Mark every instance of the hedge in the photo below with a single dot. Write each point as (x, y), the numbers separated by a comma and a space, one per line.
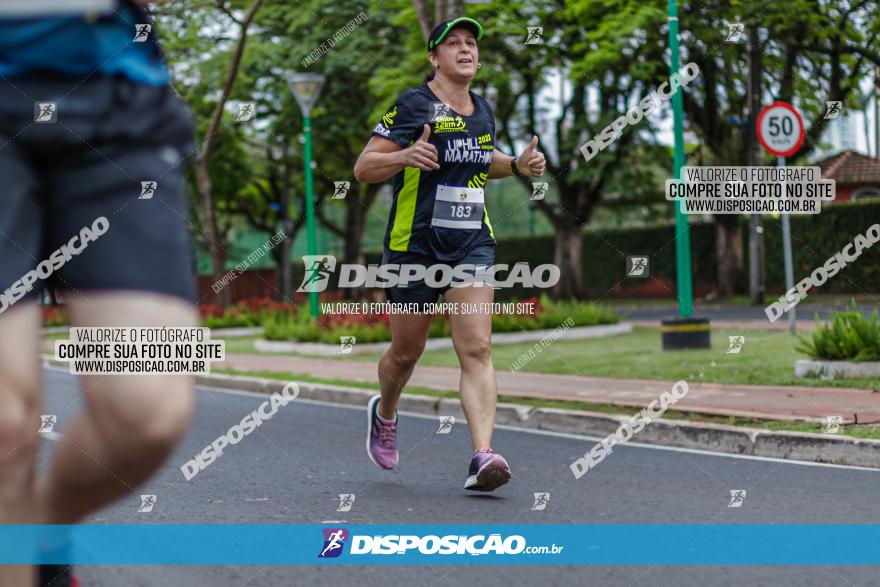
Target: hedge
(814, 239)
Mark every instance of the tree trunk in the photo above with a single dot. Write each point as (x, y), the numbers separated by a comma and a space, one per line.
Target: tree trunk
(729, 252)
(286, 271)
(356, 218)
(424, 14)
(212, 232)
(568, 247)
(455, 9)
(203, 180)
(440, 7)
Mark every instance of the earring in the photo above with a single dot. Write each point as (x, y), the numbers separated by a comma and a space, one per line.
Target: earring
(479, 65)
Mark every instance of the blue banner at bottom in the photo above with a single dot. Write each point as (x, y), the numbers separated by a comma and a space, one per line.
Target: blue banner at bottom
(606, 544)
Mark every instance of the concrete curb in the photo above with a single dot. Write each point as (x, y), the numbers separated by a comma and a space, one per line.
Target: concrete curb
(836, 369)
(329, 350)
(796, 446)
(234, 332)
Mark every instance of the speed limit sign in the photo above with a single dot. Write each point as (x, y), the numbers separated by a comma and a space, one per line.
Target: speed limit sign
(780, 129)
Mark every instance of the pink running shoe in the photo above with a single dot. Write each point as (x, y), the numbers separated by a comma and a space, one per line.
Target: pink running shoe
(488, 471)
(381, 437)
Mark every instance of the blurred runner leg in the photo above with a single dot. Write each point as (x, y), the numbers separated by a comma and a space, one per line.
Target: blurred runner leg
(131, 422)
(19, 423)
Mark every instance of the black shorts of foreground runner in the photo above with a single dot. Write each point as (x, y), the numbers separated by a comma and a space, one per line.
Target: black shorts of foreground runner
(96, 200)
(686, 333)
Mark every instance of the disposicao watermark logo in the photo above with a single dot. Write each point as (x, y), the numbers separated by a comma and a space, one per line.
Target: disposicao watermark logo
(446, 423)
(628, 429)
(736, 344)
(346, 501)
(473, 545)
(736, 33)
(431, 544)
(246, 111)
(265, 411)
(148, 190)
(737, 497)
(63, 254)
(148, 502)
(334, 541)
(534, 35)
(832, 109)
(45, 112)
(47, 422)
(832, 424)
(142, 32)
(634, 115)
(319, 268)
(637, 266)
(832, 266)
(541, 501)
(340, 190)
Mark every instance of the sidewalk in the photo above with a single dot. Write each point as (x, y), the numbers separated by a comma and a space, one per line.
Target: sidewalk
(764, 402)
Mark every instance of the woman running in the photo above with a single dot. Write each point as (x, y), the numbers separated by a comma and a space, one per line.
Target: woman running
(437, 141)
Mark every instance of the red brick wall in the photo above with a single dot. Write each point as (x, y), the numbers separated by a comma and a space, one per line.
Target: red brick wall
(250, 284)
(254, 284)
(656, 287)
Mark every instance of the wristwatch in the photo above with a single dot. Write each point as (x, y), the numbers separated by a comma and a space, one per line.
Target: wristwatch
(516, 170)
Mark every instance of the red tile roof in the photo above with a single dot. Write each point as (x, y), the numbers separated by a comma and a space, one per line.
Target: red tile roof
(849, 167)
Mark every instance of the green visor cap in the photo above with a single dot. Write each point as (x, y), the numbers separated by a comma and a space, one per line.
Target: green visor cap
(443, 29)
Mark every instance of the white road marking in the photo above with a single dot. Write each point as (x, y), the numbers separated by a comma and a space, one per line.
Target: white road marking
(575, 436)
(542, 432)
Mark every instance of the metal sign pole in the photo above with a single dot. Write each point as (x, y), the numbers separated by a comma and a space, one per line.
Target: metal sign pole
(786, 248)
(684, 280)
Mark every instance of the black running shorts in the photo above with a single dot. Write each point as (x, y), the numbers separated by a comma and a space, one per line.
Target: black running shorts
(93, 194)
(422, 294)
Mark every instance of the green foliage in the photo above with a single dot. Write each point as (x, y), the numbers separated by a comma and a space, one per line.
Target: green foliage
(287, 326)
(816, 238)
(299, 326)
(231, 319)
(848, 337)
(604, 255)
(553, 313)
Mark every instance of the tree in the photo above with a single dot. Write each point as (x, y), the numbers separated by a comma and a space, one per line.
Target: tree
(807, 51)
(195, 24)
(517, 75)
(346, 110)
(203, 178)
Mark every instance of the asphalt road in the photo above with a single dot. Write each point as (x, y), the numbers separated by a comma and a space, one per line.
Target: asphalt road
(293, 467)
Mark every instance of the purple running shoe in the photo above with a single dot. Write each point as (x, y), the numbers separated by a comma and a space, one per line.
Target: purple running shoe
(381, 437)
(488, 471)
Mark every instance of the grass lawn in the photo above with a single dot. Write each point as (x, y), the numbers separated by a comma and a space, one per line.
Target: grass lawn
(766, 358)
(739, 301)
(854, 430)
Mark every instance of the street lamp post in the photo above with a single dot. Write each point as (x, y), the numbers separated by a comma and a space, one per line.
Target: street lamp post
(305, 88)
(682, 230)
(683, 331)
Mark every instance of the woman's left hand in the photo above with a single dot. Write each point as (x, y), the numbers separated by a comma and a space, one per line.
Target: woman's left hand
(531, 163)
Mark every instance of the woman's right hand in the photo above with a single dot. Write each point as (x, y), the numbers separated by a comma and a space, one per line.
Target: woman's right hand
(422, 155)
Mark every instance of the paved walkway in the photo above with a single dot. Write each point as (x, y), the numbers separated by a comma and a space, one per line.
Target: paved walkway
(780, 403)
